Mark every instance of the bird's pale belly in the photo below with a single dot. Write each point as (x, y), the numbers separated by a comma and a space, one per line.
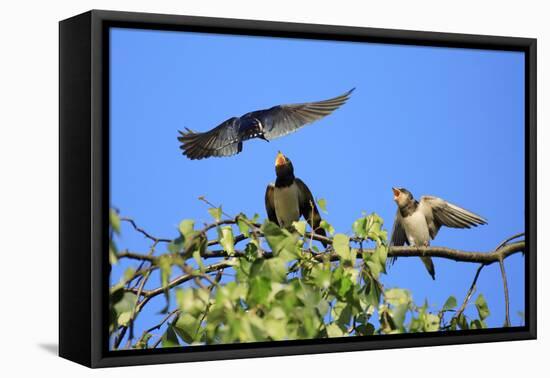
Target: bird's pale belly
(416, 229)
(287, 207)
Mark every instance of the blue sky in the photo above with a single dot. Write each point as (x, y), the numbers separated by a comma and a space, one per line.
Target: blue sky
(441, 121)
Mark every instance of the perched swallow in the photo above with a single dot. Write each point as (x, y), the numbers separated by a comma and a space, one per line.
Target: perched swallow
(268, 124)
(289, 198)
(418, 222)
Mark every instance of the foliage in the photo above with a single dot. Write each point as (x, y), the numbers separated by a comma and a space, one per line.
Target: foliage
(268, 283)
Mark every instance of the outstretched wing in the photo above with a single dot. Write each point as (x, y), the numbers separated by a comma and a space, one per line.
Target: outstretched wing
(439, 213)
(398, 236)
(270, 204)
(222, 140)
(308, 209)
(281, 120)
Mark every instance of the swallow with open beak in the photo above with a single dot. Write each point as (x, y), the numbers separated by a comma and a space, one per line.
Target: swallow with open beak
(290, 198)
(418, 222)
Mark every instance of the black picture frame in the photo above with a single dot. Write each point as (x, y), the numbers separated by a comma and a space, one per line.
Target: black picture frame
(84, 186)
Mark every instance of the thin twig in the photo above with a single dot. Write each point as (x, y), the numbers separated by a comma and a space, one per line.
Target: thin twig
(158, 325)
(506, 298)
(119, 337)
(134, 312)
(470, 293)
(143, 232)
(513, 237)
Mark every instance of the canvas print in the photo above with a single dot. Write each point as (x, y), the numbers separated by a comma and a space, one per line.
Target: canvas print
(268, 189)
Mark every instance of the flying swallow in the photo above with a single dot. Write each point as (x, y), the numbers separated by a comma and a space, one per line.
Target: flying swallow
(227, 138)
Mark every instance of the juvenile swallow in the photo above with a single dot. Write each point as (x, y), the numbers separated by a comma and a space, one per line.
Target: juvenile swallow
(227, 138)
(418, 222)
(289, 198)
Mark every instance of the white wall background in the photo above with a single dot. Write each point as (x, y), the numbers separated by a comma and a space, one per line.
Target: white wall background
(29, 184)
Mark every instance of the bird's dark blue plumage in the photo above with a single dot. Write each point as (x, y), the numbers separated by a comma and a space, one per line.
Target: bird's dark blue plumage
(227, 138)
(250, 127)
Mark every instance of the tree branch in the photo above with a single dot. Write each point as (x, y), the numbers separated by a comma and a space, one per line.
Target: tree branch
(406, 251)
(441, 252)
(149, 294)
(458, 255)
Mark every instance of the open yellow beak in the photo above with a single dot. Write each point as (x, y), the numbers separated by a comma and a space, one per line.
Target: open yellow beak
(280, 159)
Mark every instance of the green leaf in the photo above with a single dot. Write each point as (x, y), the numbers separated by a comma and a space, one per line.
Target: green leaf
(482, 308)
(340, 244)
(397, 296)
(373, 228)
(195, 243)
(259, 290)
(322, 204)
(165, 265)
(327, 227)
(450, 304)
(274, 269)
(282, 242)
(431, 323)
(114, 220)
(476, 324)
(187, 327)
(257, 327)
(334, 330)
(415, 325)
(462, 322)
(170, 339)
(176, 245)
(379, 257)
(321, 276)
(192, 300)
(227, 240)
(398, 313)
(358, 227)
(113, 253)
(122, 304)
(198, 258)
(387, 324)
(300, 227)
(124, 318)
(186, 227)
(375, 268)
(345, 285)
(216, 213)
(342, 312)
(243, 225)
(373, 293)
(251, 251)
(275, 324)
(142, 344)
